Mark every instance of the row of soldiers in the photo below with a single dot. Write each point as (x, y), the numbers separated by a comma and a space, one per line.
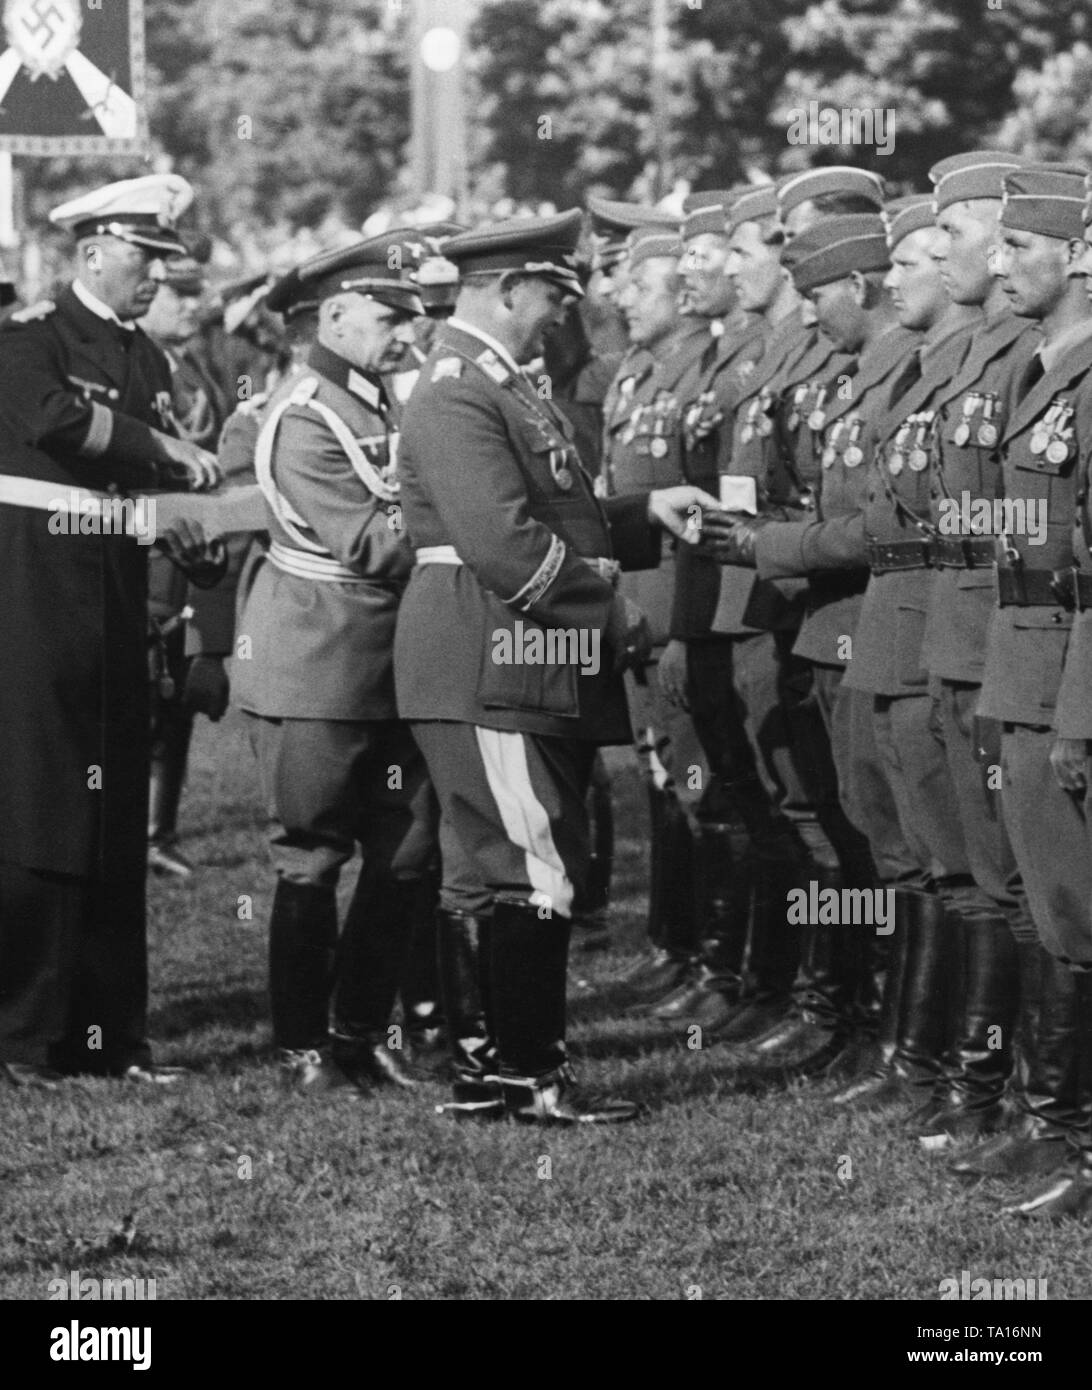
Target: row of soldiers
(880, 680)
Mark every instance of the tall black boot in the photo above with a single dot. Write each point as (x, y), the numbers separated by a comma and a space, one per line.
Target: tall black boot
(912, 1067)
(463, 956)
(724, 889)
(1069, 1192)
(1046, 1085)
(971, 1101)
(528, 965)
(775, 946)
(419, 987)
(672, 902)
(371, 958)
(170, 755)
(302, 940)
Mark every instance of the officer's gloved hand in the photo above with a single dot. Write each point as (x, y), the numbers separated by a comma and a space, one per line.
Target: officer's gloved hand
(673, 674)
(207, 687)
(627, 634)
(203, 562)
(186, 465)
(738, 546)
(1069, 760)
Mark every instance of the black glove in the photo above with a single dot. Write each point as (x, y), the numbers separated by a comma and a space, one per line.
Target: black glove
(738, 547)
(207, 687)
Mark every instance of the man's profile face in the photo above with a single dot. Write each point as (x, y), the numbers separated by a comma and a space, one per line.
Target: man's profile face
(1032, 271)
(125, 277)
(650, 301)
(965, 234)
(373, 337)
(755, 267)
(838, 314)
(701, 267)
(538, 306)
(173, 316)
(917, 290)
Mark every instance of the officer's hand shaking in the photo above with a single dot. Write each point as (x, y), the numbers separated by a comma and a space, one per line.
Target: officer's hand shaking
(628, 634)
(687, 512)
(188, 464)
(1069, 760)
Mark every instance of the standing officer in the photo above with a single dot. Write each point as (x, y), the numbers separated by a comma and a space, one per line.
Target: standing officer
(511, 636)
(641, 451)
(1048, 426)
(314, 672)
(84, 413)
(188, 673)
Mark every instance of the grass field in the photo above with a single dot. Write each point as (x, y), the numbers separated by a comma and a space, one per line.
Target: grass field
(771, 1197)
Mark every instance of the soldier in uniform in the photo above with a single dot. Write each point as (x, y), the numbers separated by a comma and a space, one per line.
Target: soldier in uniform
(509, 645)
(187, 657)
(84, 414)
(839, 265)
(1048, 423)
(314, 673)
(641, 450)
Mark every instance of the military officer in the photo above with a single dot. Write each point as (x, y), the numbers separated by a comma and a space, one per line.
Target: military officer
(1047, 429)
(511, 636)
(642, 450)
(188, 673)
(834, 190)
(313, 672)
(838, 264)
(84, 414)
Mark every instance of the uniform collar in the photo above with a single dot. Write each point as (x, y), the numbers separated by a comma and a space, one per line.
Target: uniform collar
(487, 338)
(364, 385)
(98, 308)
(1070, 338)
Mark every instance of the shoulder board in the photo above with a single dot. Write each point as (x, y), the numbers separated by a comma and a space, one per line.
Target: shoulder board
(33, 312)
(447, 367)
(304, 390)
(492, 366)
(254, 403)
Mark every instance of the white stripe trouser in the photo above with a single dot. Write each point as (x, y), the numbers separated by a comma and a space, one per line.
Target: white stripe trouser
(515, 804)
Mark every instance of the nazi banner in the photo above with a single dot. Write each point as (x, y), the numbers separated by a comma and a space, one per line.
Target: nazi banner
(72, 77)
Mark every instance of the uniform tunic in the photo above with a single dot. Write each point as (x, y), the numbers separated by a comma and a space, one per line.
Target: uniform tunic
(81, 401)
(488, 661)
(1028, 643)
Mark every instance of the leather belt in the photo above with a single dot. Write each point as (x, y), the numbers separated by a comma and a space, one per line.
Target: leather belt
(884, 556)
(447, 555)
(964, 552)
(304, 565)
(1018, 587)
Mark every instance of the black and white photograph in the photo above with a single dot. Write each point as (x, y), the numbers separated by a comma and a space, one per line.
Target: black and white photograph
(545, 685)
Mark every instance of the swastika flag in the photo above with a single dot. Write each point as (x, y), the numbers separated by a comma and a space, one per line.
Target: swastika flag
(72, 77)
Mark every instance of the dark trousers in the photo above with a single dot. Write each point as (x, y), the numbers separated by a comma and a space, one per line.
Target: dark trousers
(73, 971)
(516, 807)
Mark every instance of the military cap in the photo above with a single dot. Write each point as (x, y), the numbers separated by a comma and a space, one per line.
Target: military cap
(650, 242)
(976, 174)
(436, 278)
(615, 220)
(141, 211)
(902, 216)
(754, 204)
(543, 246)
(184, 274)
(373, 268)
(809, 184)
(835, 248)
(1045, 198)
(705, 212)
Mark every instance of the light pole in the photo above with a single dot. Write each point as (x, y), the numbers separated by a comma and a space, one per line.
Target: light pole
(438, 63)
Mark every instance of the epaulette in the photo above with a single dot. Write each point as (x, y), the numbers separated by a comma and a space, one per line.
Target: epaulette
(253, 403)
(447, 367)
(33, 312)
(492, 366)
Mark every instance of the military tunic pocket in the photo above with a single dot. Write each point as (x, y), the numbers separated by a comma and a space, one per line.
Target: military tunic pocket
(528, 667)
(1043, 668)
(909, 636)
